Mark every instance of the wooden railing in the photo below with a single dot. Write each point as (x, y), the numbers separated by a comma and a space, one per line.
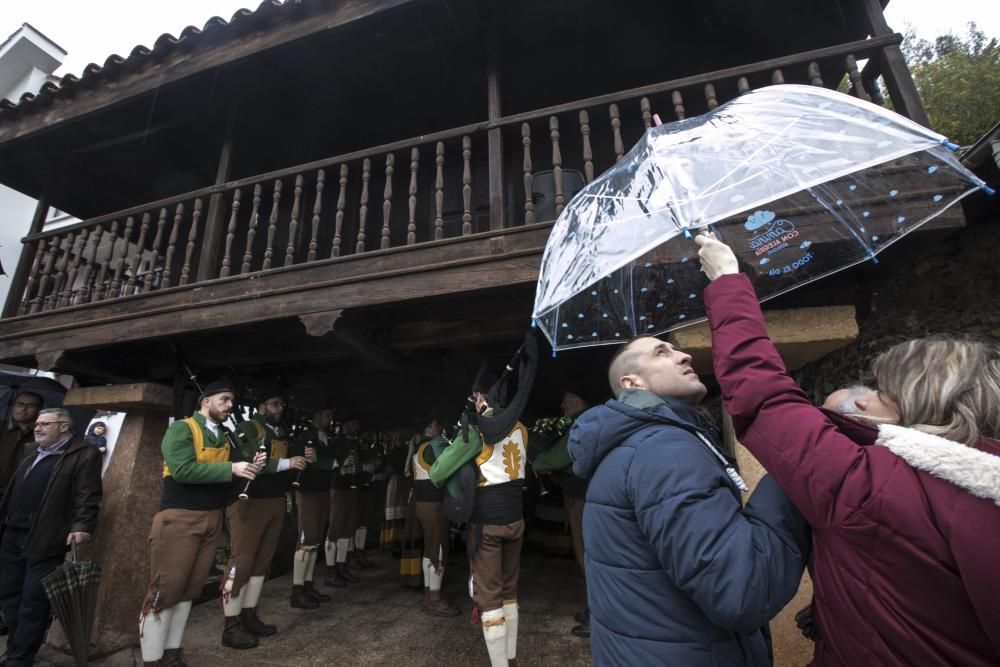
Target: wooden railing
(413, 191)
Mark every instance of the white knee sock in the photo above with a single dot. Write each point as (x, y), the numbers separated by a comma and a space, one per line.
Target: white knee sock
(343, 546)
(234, 605)
(311, 564)
(510, 615)
(434, 577)
(175, 635)
(300, 563)
(495, 634)
(153, 634)
(254, 587)
(426, 565)
(331, 552)
(361, 538)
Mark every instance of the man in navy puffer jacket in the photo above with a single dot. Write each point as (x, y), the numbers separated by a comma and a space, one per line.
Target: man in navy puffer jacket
(678, 572)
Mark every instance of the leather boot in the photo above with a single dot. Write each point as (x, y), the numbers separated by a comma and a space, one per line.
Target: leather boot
(583, 616)
(346, 573)
(252, 623)
(173, 657)
(302, 600)
(363, 559)
(334, 579)
(235, 636)
(435, 605)
(314, 593)
(582, 630)
(155, 663)
(512, 662)
(358, 560)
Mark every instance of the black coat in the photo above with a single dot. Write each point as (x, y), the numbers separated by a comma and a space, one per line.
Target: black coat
(70, 504)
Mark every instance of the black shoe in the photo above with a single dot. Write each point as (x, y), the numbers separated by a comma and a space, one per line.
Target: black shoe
(334, 579)
(583, 616)
(581, 631)
(315, 594)
(346, 573)
(251, 623)
(364, 560)
(235, 636)
(302, 600)
(173, 657)
(358, 560)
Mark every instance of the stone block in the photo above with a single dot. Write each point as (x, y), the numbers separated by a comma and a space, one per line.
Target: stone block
(122, 397)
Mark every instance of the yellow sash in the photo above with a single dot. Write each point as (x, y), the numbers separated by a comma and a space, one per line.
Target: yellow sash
(201, 454)
(279, 448)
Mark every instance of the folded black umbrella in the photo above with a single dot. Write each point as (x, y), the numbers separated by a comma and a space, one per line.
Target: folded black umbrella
(72, 590)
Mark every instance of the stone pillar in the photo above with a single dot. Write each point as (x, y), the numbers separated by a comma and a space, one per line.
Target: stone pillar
(133, 484)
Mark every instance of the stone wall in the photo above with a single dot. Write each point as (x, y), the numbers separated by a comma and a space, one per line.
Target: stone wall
(944, 286)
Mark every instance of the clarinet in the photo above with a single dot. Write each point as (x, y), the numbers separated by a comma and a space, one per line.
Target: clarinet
(263, 449)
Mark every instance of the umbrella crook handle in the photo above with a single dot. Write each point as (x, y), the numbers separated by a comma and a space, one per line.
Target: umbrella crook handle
(72, 547)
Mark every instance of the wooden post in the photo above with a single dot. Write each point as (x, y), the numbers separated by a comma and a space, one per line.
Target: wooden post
(29, 253)
(902, 90)
(212, 239)
(494, 136)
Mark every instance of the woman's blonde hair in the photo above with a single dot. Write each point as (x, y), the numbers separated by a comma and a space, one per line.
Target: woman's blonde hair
(944, 385)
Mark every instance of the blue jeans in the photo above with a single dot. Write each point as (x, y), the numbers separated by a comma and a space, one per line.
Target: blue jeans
(23, 600)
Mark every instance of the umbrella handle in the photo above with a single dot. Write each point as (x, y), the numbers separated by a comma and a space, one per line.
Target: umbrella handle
(72, 547)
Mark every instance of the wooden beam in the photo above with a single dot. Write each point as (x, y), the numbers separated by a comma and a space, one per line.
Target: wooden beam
(801, 335)
(902, 90)
(182, 63)
(494, 136)
(208, 259)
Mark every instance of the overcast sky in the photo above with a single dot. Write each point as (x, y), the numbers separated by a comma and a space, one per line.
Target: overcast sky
(91, 30)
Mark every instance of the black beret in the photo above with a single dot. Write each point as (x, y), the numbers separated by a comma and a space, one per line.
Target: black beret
(219, 386)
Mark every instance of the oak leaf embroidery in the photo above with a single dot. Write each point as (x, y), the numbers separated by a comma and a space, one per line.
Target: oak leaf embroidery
(511, 459)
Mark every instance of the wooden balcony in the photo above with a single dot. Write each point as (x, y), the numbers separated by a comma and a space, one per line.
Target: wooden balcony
(452, 212)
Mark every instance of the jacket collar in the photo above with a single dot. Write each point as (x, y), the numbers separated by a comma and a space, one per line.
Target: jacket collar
(672, 409)
(969, 468)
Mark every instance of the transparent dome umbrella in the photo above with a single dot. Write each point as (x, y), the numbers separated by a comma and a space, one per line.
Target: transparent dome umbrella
(800, 181)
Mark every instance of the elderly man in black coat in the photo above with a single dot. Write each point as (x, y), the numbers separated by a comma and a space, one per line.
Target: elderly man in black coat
(51, 502)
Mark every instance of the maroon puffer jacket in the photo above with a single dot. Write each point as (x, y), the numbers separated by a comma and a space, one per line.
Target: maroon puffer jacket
(906, 526)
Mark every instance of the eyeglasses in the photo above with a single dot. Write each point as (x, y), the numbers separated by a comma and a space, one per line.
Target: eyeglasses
(275, 404)
(21, 404)
(45, 424)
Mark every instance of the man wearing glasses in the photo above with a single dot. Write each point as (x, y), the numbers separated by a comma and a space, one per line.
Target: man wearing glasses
(51, 502)
(17, 434)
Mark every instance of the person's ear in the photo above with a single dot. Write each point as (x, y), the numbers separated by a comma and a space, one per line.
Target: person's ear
(630, 382)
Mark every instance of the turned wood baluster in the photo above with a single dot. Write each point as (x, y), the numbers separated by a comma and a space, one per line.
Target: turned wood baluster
(272, 225)
(710, 98)
(154, 257)
(230, 234)
(59, 284)
(560, 199)
(338, 227)
(647, 112)
(411, 228)
(390, 168)
(66, 295)
(588, 154)
(317, 213)
(439, 192)
(43, 283)
(815, 76)
(293, 223)
(857, 88)
(258, 191)
(119, 259)
(678, 101)
(168, 259)
(777, 77)
(529, 196)
(467, 185)
(192, 239)
(102, 282)
(140, 246)
(36, 267)
(366, 176)
(742, 85)
(90, 286)
(616, 131)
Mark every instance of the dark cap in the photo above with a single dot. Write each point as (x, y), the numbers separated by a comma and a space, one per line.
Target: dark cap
(219, 386)
(266, 392)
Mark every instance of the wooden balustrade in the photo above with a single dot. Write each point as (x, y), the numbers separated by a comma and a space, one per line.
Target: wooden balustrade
(136, 251)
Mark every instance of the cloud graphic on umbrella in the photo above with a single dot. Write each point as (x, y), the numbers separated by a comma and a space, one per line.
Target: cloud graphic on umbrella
(758, 219)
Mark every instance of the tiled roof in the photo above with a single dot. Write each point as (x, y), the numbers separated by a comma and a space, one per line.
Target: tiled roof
(215, 30)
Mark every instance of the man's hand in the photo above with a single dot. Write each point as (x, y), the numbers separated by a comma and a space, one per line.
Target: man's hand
(310, 455)
(245, 470)
(297, 463)
(260, 460)
(77, 538)
(717, 259)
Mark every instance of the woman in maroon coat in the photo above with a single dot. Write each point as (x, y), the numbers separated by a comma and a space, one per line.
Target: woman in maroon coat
(906, 518)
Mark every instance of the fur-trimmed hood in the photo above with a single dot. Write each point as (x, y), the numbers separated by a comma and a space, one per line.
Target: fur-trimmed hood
(972, 469)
